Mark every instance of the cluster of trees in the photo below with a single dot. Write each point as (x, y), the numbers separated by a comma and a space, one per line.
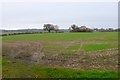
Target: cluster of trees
(75, 28)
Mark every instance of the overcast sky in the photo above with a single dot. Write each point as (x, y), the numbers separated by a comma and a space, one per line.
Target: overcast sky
(28, 15)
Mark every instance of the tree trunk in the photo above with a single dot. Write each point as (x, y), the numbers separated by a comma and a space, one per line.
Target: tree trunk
(49, 31)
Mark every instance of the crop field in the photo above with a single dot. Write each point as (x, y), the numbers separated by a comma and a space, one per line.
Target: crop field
(60, 55)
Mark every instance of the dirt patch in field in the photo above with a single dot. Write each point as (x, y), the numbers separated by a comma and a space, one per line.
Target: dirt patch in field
(101, 60)
(26, 51)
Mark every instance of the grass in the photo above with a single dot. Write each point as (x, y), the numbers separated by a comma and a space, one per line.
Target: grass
(56, 43)
(63, 41)
(104, 36)
(95, 47)
(21, 70)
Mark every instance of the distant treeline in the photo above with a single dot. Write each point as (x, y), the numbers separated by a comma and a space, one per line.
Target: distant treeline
(25, 31)
(106, 30)
(47, 28)
(75, 28)
(17, 33)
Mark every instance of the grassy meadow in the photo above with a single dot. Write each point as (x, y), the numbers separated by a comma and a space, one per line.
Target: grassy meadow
(66, 55)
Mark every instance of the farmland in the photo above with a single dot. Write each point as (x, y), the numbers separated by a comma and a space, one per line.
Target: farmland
(63, 55)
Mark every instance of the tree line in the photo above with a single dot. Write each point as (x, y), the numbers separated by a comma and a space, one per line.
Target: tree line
(75, 28)
(47, 28)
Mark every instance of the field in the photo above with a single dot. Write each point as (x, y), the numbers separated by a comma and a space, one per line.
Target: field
(60, 55)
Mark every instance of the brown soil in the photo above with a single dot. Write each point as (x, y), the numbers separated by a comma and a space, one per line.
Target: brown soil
(26, 51)
(107, 60)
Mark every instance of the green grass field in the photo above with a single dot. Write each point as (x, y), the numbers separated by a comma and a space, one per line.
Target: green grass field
(93, 45)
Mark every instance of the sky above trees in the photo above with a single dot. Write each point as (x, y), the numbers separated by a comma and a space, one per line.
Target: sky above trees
(28, 15)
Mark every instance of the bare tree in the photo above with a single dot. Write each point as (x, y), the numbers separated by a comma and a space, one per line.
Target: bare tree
(49, 27)
(74, 28)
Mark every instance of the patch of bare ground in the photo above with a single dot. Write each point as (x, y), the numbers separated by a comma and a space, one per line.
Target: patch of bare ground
(26, 51)
(100, 60)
